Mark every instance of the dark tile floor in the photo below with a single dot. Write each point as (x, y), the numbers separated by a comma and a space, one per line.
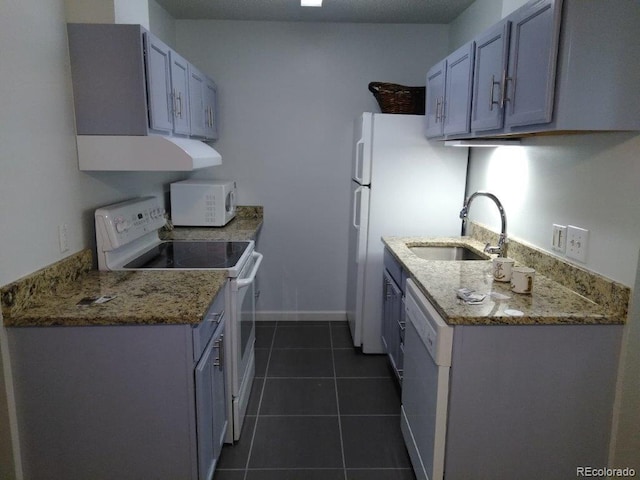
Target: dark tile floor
(319, 410)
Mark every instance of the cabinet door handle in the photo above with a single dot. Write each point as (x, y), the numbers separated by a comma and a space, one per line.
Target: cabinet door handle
(438, 100)
(216, 317)
(219, 345)
(221, 351)
(174, 102)
(493, 102)
(505, 87)
(180, 103)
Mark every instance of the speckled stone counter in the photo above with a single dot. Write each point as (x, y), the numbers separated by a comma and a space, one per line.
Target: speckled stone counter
(50, 296)
(245, 226)
(550, 303)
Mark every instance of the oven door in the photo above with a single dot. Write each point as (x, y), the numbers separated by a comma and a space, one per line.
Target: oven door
(244, 333)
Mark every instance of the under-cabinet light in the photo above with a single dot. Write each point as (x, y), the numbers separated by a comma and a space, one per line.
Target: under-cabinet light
(489, 142)
(310, 3)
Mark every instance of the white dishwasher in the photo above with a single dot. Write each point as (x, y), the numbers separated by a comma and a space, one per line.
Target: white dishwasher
(425, 386)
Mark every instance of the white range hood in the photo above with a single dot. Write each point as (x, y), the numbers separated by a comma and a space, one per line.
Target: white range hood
(144, 153)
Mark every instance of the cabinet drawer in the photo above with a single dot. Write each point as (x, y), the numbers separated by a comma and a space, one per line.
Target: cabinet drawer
(203, 332)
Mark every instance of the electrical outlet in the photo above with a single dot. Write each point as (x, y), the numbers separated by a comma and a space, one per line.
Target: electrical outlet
(577, 243)
(559, 238)
(63, 237)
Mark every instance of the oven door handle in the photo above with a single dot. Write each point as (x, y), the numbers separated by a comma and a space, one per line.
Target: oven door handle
(245, 282)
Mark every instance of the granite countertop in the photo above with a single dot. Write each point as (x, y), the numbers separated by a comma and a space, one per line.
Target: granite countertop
(245, 226)
(49, 296)
(141, 297)
(551, 303)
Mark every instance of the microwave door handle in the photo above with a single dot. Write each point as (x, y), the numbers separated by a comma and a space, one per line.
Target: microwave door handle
(245, 282)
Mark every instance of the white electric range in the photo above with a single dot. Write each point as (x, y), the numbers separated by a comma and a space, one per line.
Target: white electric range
(127, 238)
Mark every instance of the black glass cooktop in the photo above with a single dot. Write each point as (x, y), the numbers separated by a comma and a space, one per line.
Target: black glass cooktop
(190, 255)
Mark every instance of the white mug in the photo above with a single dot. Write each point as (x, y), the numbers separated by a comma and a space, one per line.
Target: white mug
(502, 268)
(522, 279)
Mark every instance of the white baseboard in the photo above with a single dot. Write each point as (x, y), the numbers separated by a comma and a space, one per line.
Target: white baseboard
(301, 316)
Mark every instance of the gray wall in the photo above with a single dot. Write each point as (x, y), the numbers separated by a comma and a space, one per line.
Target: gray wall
(289, 93)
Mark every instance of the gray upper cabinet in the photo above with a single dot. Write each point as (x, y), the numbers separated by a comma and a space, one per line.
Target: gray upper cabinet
(552, 66)
(434, 99)
(489, 74)
(128, 82)
(110, 79)
(515, 69)
(448, 98)
(530, 82)
(196, 101)
(458, 83)
(180, 94)
(211, 109)
(158, 65)
(202, 105)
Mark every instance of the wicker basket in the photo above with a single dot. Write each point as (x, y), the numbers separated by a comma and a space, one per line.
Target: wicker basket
(394, 98)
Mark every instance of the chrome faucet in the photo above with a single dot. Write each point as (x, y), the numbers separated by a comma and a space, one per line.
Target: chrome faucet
(502, 240)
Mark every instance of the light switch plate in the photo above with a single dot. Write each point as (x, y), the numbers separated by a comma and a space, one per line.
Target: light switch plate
(559, 238)
(577, 243)
(63, 237)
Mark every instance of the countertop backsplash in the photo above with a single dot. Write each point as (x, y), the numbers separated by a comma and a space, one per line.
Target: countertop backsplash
(610, 294)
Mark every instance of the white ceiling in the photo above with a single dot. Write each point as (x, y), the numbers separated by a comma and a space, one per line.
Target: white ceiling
(357, 11)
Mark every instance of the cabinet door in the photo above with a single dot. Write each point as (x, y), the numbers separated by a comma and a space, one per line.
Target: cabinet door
(488, 78)
(210, 405)
(457, 103)
(180, 93)
(435, 99)
(532, 64)
(211, 109)
(386, 312)
(391, 333)
(158, 84)
(219, 395)
(197, 107)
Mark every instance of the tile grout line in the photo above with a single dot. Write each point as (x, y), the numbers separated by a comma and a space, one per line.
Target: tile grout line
(264, 384)
(335, 384)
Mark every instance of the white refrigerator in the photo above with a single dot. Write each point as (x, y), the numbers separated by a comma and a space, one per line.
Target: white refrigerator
(401, 185)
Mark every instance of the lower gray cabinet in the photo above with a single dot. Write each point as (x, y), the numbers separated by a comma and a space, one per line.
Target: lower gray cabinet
(530, 401)
(125, 402)
(393, 316)
(210, 404)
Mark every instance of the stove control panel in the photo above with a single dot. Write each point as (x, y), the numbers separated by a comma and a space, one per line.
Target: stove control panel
(125, 222)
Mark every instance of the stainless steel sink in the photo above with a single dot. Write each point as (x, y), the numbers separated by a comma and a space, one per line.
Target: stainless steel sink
(446, 253)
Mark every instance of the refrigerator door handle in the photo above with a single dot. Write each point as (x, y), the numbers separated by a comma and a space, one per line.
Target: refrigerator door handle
(357, 174)
(356, 192)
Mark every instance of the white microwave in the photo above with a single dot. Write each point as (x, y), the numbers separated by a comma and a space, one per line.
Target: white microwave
(203, 203)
